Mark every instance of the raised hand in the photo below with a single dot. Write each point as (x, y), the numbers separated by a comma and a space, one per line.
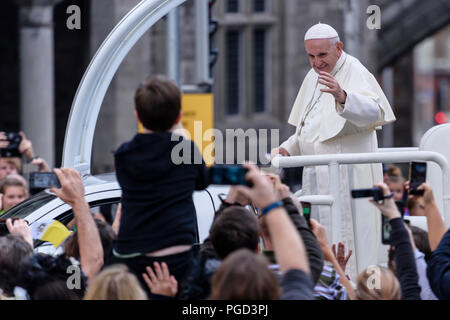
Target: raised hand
(278, 151)
(333, 87)
(161, 282)
(25, 146)
(340, 254)
(72, 189)
(387, 207)
(20, 227)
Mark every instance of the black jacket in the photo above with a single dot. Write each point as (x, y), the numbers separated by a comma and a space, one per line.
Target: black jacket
(313, 250)
(157, 206)
(405, 260)
(438, 269)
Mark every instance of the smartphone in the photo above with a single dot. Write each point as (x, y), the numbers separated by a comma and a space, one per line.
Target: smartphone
(229, 175)
(386, 230)
(44, 180)
(307, 212)
(417, 176)
(375, 193)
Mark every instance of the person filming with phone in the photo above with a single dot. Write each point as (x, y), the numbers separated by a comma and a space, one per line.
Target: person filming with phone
(14, 147)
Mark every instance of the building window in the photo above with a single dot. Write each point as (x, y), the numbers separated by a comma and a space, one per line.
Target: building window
(259, 5)
(259, 70)
(232, 71)
(232, 6)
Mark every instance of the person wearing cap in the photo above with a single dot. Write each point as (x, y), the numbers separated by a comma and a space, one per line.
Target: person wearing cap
(338, 109)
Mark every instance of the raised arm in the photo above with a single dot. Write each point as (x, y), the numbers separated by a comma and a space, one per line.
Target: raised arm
(404, 254)
(435, 223)
(360, 110)
(438, 270)
(292, 206)
(289, 249)
(72, 192)
(329, 256)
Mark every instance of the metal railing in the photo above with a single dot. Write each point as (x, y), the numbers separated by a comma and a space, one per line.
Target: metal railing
(333, 161)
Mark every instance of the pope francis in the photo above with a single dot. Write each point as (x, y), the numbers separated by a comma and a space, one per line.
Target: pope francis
(338, 109)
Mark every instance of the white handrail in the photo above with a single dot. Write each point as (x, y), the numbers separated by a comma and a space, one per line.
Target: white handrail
(397, 149)
(92, 89)
(359, 158)
(391, 156)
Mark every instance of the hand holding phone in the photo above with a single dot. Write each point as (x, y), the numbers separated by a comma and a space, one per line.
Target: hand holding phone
(4, 227)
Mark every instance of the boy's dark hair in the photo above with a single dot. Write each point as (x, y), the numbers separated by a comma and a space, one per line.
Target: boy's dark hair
(420, 237)
(158, 103)
(244, 275)
(234, 229)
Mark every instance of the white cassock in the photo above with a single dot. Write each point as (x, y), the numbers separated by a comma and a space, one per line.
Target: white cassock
(324, 126)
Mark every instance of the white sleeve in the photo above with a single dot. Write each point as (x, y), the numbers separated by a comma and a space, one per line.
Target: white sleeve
(291, 145)
(360, 110)
(426, 293)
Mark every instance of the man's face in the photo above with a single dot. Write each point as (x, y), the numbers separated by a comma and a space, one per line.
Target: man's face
(323, 54)
(6, 168)
(13, 195)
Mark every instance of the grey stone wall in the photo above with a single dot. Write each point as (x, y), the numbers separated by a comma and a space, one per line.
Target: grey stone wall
(116, 123)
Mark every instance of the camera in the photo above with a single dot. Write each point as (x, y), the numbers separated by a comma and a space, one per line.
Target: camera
(12, 150)
(375, 193)
(228, 175)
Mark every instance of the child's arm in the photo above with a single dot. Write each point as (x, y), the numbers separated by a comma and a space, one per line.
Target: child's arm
(202, 181)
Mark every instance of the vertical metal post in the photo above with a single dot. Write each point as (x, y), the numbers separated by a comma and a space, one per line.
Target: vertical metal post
(388, 88)
(352, 29)
(202, 42)
(173, 45)
(336, 207)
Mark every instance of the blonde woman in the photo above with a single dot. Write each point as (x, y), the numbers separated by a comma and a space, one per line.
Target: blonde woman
(115, 283)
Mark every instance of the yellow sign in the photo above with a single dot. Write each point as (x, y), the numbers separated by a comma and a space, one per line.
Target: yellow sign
(198, 119)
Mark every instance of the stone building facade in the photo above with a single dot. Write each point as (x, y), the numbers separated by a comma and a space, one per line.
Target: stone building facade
(260, 66)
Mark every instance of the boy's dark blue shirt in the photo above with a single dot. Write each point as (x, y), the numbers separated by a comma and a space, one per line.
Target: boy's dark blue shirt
(157, 207)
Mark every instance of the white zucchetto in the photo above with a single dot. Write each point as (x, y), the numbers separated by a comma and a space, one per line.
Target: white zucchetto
(321, 31)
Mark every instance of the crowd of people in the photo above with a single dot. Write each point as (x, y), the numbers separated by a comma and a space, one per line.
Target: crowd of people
(150, 249)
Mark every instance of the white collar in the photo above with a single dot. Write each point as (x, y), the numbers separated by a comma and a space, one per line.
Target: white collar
(339, 64)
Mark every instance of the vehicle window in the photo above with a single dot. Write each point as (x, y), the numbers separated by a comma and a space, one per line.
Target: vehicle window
(97, 207)
(103, 210)
(23, 209)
